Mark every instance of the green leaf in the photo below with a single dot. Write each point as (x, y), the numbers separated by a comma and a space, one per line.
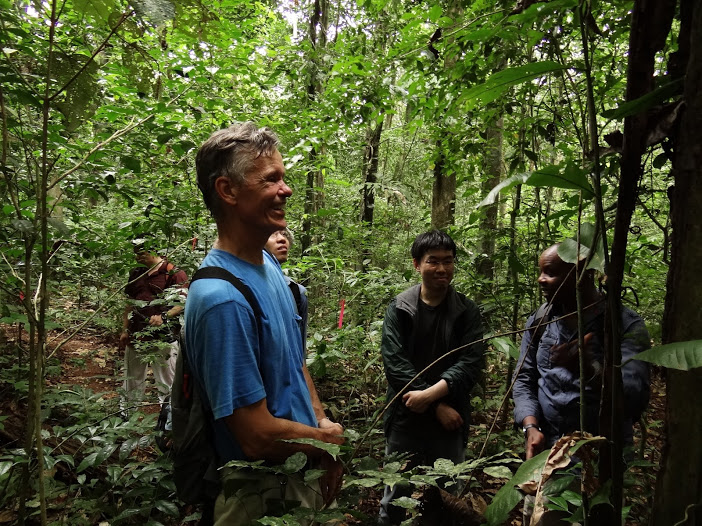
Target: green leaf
(332, 449)
(499, 472)
(5, 467)
(507, 346)
(554, 176)
(407, 503)
(569, 251)
(313, 474)
(504, 185)
(677, 355)
(163, 138)
(88, 462)
(435, 12)
(508, 497)
(501, 81)
(646, 102)
(295, 462)
(131, 163)
(167, 507)
(324, 212)
(364, 483)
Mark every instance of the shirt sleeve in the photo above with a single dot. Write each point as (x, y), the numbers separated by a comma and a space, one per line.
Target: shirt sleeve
(463, 375)
(526, 380)
(230, 370)
(398, 367)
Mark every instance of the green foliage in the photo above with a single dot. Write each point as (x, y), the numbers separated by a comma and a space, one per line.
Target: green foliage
(678, 355)
(112, 158)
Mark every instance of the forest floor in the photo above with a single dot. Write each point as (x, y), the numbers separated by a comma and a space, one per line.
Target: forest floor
(92, 360)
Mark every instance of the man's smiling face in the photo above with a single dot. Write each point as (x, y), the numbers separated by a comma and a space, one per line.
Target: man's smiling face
(261, 198)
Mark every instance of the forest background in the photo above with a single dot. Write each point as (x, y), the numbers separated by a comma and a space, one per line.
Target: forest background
(510, 125)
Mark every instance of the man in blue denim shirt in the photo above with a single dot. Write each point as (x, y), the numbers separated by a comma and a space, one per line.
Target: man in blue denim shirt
(547, 385)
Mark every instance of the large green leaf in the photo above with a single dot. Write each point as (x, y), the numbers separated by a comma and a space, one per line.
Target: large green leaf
(569, 252)
(507, 346)
(508, 497)
(332, 449)
(649, 100)
(504, 185)
(556, 176)
(501, 81)
(677, 355)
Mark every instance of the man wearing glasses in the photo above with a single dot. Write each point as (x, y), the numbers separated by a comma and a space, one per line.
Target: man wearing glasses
(429, 322)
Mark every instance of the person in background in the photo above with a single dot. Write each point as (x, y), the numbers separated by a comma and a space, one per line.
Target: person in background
(424, 323)
(278, 245)
(256, 385)
(546, 387)
(150, 329)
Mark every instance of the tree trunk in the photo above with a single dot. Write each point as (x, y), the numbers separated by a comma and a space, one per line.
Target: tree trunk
(679, 487)
(443, 202)
(315, 179)
(370, 178)
(650, 25)
(370, 172)
(488, 224)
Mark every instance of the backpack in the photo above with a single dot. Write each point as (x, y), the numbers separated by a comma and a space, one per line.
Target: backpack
(195, 460)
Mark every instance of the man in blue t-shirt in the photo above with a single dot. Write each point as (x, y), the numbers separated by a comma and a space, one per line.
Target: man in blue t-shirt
(257, 385)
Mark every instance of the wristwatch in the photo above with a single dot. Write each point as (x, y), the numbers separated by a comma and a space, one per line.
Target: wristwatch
(528, 427)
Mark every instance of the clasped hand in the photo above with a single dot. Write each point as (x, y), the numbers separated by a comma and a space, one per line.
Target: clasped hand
(566, 354)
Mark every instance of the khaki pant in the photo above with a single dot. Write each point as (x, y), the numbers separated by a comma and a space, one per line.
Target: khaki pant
(255, 495)
(135, 373)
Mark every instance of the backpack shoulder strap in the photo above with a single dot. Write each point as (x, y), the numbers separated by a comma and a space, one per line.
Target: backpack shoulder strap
(223, 274)
(538, 326)
(295, 289)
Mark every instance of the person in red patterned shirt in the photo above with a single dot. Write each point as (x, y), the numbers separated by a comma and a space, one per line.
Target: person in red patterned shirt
(150, 327)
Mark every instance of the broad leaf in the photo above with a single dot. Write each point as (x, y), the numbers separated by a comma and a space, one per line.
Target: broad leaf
(649, 100)
(558, 177)
(501, 81)
(332, 449)
(677, 355)
(508, 497)
(295, 462)
(569, 252)
(507, 346)
(504, 185)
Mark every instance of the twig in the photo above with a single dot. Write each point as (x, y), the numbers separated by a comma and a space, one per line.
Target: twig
(124, 16)
(111, 138)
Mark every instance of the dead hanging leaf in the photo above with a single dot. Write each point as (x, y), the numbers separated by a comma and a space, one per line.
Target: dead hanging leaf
(559, 458)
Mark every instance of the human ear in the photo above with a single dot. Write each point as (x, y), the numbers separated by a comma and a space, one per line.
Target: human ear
(416, 264)
(226, 190)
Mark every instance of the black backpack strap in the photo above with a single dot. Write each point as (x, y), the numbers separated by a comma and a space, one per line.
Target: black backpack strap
(223, 274)
(538, 326)
(295, 289)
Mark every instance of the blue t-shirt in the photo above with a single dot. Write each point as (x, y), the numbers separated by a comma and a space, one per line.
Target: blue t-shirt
(225, 354)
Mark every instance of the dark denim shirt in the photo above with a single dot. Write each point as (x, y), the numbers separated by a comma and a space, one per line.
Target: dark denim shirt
(551, 393)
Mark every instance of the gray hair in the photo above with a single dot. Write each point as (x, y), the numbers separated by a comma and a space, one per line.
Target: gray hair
(231, 152)
(289, 235)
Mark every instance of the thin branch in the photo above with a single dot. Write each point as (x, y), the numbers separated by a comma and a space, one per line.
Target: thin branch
(78, 73)
(460, 28)
(113, 137)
